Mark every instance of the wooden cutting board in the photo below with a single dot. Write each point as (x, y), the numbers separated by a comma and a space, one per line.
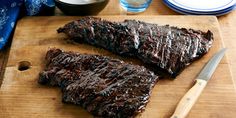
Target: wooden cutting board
(22, 96)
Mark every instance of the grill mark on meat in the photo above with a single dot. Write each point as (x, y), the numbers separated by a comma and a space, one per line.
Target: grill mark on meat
(163, 47)
(103, 86)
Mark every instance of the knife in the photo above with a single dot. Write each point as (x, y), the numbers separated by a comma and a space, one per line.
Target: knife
(186, 103)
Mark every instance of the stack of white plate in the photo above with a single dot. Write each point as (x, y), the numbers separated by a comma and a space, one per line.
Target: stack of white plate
(201, 7)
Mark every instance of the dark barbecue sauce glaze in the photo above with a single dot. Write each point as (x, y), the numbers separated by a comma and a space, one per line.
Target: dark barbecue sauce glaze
(165, 48)
(105, 87)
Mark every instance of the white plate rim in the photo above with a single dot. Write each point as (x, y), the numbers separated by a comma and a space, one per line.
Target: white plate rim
(200, 12)
(230, 4)
(195, 13)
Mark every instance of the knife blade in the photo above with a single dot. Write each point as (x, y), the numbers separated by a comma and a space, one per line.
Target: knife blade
(188, 100)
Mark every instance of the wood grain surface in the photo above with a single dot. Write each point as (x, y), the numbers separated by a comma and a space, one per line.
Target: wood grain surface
(22, 96)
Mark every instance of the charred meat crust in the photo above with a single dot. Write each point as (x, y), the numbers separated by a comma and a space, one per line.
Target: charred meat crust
(164, 47)
(103, 86)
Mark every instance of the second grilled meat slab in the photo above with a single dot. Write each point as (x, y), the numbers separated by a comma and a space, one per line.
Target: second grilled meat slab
(103, 86)
(163, 47)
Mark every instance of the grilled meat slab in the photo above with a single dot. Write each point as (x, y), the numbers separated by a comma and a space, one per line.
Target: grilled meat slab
(103, 86)
(163, 47)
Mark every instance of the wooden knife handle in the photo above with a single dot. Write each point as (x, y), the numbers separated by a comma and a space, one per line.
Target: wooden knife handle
(186, 103)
